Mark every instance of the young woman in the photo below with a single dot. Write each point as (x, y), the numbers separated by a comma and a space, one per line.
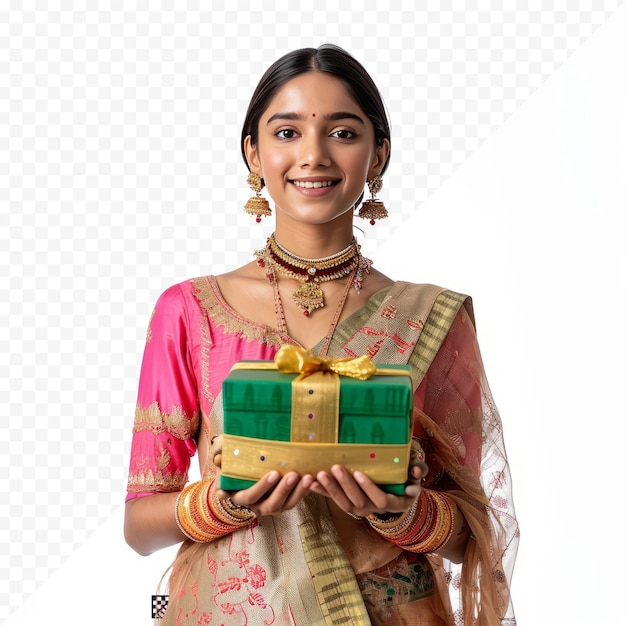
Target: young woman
(330, 548)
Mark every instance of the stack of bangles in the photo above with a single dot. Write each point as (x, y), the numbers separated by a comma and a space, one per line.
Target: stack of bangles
(203, 517)
(425, 527)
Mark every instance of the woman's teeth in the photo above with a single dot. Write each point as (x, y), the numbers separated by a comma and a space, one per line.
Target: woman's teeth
(314, 185)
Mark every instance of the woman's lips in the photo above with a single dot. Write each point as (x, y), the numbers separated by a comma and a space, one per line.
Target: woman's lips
(315, 184)
(314, 188)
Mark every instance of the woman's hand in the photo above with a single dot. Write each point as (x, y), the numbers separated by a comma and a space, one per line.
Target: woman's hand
(357, 494)
(271, 495)
(274, 494)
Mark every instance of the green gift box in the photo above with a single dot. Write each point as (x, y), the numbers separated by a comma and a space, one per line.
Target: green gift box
(307, 423)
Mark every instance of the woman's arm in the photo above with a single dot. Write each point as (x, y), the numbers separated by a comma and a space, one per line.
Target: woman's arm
(454, 549)
(400, 519)
(166, 420)
(150, 524)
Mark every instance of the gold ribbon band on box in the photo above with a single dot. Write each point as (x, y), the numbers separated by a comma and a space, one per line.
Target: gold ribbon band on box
(315, 424)
(251, 459)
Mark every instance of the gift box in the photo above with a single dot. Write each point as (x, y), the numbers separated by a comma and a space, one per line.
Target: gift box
(308, 421)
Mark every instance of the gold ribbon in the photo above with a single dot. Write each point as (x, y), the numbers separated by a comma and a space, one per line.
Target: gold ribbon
(295, 360)
(316, 390)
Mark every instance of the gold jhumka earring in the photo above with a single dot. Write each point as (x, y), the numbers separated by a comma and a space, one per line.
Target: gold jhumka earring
(373, 209)
(257, 204)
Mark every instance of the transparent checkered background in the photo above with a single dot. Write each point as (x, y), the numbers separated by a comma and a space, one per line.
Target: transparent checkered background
(120, 174)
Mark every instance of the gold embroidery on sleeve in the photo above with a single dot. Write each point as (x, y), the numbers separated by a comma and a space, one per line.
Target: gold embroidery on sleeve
(159, 481)
(164, 459)
(176, 423)
(147, 477)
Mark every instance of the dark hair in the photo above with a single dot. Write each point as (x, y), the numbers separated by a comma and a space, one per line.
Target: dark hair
(332, 60)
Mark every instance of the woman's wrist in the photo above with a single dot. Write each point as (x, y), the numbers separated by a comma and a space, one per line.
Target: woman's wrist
(227, 511)
(425, 527)
(392, 524)
(203, 517)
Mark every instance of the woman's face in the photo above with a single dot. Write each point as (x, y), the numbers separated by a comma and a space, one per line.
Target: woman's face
(315, 149)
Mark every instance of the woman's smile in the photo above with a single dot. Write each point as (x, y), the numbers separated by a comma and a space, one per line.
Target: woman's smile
(314, 187)
(313, 184)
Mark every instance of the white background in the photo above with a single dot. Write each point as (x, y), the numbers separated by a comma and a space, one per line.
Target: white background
(120, 175)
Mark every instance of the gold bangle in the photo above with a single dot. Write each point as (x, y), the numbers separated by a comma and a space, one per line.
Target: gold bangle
(177, 517)
(441, 528)
(236, 511)
(227, 512)
(187, 515)
(426, 527)
(398, 524)
(202, 517)
(354, 515)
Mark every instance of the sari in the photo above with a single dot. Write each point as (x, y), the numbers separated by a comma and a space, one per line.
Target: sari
(314, 565)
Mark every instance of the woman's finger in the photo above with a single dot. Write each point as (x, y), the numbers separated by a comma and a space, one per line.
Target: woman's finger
(417, 460)
(287, 493)
(215, 450)
(274, 494)
(342, 488)
(255, 493)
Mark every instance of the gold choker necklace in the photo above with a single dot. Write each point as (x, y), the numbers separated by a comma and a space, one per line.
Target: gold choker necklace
(311, 273)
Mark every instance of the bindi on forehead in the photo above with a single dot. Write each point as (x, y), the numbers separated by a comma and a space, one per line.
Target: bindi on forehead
(312, 114)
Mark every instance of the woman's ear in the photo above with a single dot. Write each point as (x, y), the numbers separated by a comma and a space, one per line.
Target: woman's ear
(380, 158)
(252, 156)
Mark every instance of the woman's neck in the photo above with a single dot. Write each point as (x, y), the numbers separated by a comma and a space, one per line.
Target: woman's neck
(314, 241)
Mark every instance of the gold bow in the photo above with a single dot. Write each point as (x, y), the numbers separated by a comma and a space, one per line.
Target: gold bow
(295, 360)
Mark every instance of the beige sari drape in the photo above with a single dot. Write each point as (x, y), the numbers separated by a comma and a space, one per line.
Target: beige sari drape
(301, 567)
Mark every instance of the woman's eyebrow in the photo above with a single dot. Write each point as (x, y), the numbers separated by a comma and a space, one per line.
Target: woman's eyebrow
(339, 115)
(344, 115)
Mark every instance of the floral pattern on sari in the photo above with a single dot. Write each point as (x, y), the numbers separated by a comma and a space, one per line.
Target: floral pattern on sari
(236, 586)
(239, 584)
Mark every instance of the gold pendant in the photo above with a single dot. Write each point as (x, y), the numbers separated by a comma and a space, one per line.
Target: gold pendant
(309, 296)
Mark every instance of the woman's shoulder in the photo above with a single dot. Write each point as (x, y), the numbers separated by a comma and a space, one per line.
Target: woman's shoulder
(213, 291)
(431, 299)
(179, 290)
(429, 290)
(184, 294)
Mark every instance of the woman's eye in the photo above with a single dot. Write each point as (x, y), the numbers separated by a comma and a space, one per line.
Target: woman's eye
(344, 134)
(286, 133)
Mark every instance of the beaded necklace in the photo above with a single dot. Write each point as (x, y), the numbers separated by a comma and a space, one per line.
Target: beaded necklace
(282, 324)
(312, 272)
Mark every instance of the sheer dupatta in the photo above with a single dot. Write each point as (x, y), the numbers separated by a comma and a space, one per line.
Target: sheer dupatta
(460, 427)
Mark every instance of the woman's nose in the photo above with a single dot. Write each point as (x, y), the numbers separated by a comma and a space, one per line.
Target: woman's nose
(314, 151)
